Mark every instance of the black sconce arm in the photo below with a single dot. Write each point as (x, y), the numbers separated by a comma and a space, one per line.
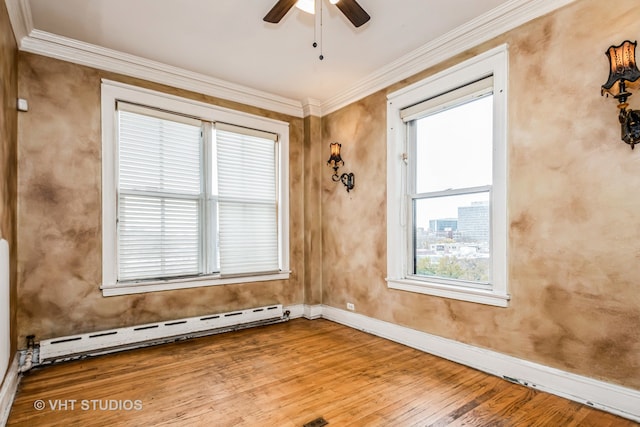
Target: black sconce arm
(349, 180)
(630, 126)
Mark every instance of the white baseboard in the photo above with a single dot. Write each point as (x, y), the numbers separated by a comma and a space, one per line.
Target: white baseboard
(295, 311)
(8, 390)
(612, 398)
(304, 310)
(313, 311)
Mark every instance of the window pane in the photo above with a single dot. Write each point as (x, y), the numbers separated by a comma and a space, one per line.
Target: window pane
(451, 237)
(247, 203)
(248, 238)
(159, 197)
(158, 155)
(158, 237)
(454, 147)
(246, 166)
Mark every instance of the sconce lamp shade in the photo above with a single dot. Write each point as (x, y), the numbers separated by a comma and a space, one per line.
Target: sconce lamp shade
(335, 156)
(623, 68)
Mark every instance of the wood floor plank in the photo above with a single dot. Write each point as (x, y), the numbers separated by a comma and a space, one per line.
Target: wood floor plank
(503, 405)
(587, 417)
(286, 375)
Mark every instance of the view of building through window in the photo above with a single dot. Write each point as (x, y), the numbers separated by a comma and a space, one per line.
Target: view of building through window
(456, 246)
(451, 208)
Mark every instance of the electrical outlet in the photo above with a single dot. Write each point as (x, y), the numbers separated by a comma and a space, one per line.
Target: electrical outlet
(351, 307)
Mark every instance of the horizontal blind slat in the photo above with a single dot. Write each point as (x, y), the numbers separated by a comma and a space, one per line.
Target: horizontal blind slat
(158, 154)
(158, 235)
(247, 203)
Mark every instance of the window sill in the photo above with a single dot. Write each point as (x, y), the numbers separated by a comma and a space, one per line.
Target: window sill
(479, 296)
(168, 285)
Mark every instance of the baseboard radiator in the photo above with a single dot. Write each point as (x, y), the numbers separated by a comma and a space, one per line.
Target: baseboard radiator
(108, 341)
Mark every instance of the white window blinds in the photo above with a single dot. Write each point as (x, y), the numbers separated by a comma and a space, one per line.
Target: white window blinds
(161, 193)
(181, 214)
(448, 99)
(160, 196)
(248, 203)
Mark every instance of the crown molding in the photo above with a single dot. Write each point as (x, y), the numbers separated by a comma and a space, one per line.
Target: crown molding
(497, 21)
(312, 107)
(20, 17)
(67, 49)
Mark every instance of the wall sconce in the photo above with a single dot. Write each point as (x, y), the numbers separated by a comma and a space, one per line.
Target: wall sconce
(335, 161)
(624, 72)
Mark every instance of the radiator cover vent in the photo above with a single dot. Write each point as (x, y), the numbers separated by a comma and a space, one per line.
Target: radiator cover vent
(151, 333)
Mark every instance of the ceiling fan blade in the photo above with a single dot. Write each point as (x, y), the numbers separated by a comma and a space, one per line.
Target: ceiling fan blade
(279, 10)
(354, 12)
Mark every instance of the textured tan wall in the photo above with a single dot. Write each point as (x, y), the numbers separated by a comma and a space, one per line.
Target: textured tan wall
(59, 228)
(573, 232)
(313, 173)
(8, 152)
(574, 227)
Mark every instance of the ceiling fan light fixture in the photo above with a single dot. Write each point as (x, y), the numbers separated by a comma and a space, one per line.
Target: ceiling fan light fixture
(306, 6)
(349, 8)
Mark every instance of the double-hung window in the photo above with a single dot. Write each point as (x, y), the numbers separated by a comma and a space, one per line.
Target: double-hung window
(161, 198)
(193, 195)
(447, 183)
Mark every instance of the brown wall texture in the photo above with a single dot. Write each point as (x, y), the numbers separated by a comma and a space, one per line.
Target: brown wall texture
(573, 212)
(8, 153)
(59, 202)
(573, 222)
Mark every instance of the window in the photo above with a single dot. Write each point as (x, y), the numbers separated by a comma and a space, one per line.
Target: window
(447, 183)
(193, 195)
(160, 195)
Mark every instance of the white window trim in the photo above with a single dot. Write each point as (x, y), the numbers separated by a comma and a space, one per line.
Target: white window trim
(493, 62)
(111, 92)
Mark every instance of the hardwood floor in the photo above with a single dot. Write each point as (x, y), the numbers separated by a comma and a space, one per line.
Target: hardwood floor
(285, 375)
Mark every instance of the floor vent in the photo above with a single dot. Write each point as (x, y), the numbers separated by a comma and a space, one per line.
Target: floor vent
(136, 336)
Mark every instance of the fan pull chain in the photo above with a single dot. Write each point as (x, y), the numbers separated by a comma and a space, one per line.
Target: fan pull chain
(315, 28)
(321, 55)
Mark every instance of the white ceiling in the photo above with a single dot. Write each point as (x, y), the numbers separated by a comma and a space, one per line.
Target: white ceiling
(228, 40)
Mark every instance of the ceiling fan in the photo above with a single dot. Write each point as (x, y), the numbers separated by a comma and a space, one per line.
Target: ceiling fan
(350, 8)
